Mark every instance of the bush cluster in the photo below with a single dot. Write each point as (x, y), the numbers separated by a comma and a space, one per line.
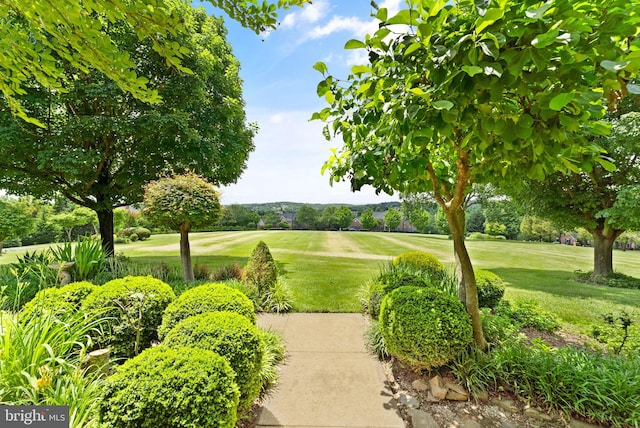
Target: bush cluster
(490, 288)
(233, 337)
(165, 387)
(424, 327)
(141, 233)
(228, 272)
(134, 308)
(420, 261)
(616, 280)
(527, 313)
(59, 301)
(206, 298)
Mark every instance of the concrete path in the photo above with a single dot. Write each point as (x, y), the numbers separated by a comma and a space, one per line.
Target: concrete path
(328, 378)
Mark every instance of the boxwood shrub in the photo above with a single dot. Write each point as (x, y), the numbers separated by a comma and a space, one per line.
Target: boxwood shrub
(421, 261)
(134, 306)
(58, 300)
(171, 388)
(490, 288)
(210, 297)
(232, 336)
(424, 327)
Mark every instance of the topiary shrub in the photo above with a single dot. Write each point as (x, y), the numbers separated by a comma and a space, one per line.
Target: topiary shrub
(142, 232)
(424, 327)
(232, 336)
(172, 388)
(133, 237)
(261, 269)
(490, 288)
(206, 298)
(58, 300)
(134, 306)
(420, 261)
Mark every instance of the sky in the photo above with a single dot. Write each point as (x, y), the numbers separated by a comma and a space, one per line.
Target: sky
(280, 94)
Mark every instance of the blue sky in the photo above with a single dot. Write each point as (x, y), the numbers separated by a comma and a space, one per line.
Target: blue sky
(280, 94)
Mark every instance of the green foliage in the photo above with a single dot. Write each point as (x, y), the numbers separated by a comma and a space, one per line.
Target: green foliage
(142, 233)
(278, 298)
(616, 280)
(527, 313)
(273, 352)
(477, 236)
(134, 308)
(343, 217)
(420, 261)
(535, 228)
(42, 360)
(367, 220)
(232, 336)
(598, 386)
(249, 290)
(374, 341)
(261, 269)
(306, 217)
(498, 329)
(490, 288)
(88, 256)
(173, 388)
(16, 218)
(370, 295)
(206, 298)
(60, 301)
(202, 272)
(392, 219)
(619, 333)
(424, 327)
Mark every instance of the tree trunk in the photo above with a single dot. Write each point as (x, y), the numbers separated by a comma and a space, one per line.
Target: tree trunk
(467, 290)
(105, 220)
(185, 252)
(603, 239)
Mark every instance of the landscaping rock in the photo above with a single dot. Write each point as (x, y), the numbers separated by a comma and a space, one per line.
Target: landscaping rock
(438, 389)
(506, 405)
(482, 396)
(578, 424)
(408, 400)
(431, 398)
(507, 424)
(470, 423)
(420, 385)
(456, 396)
(536, 414)
(422, 419)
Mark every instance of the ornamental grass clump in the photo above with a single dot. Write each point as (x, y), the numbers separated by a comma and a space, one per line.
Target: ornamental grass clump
(210, 297)
(133, 306)
(173, 388)
(424, 327)
(233, 337)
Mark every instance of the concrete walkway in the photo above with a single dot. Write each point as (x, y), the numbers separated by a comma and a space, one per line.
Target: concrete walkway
(328, 378)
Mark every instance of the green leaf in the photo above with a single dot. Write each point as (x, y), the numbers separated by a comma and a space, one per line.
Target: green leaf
(329, 97)
(443, 105)
(412, 48)
(614, 66)
(537, 13)
(359, 69)
(321, 67)
(606, 164)
(489, 18)
(471, 70)
(403, 17)
(561, 100)
(545, 39)
(382, 14)
(354, 44)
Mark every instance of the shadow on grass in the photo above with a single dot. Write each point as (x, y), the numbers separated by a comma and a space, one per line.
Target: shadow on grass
(563, 284)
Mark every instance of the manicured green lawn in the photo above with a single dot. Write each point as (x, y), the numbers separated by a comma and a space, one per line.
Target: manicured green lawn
(325, 269)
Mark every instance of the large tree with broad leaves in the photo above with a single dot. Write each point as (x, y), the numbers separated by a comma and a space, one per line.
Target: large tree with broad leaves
(100, 145)
(465, 92)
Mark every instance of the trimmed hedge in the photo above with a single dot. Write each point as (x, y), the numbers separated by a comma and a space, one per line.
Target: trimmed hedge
(424, 327)
(206, 298)
(490, 288)
(58, 300)
(171, 388)
(232, 336)
(420, 261)
(121, 300)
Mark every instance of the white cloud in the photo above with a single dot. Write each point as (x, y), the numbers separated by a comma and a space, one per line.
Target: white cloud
(353, 25)
(357, 57)
(308, 15)
(393, 6)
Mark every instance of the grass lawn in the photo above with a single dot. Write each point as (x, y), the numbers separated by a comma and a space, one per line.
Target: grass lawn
(325, 269)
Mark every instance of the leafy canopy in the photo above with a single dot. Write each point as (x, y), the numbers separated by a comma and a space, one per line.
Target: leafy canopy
(35, 33)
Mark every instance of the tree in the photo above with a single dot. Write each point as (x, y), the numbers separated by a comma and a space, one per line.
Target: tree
(101, 145)
(367, 220)
(16, 219)
(476, 92)
(392, 219)
(474, 219)
(415, 208)
(420, 219)
(36, 33)
(343, 217)
(504, 212)
(182, 202)
(80, 216)
(590, 198)
(533, 227)
(306, 217)
(328, 219)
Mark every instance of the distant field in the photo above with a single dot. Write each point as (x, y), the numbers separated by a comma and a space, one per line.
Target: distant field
(325, 269)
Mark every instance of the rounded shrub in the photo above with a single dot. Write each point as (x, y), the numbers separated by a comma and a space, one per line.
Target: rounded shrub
(142, 232)
(490, 288)
(133, 237)
(133, 306)
(58, 300)
(206, 298)
(420, 261)
(172, 388)
(232, 336)
(424, 327)
(261, 269)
